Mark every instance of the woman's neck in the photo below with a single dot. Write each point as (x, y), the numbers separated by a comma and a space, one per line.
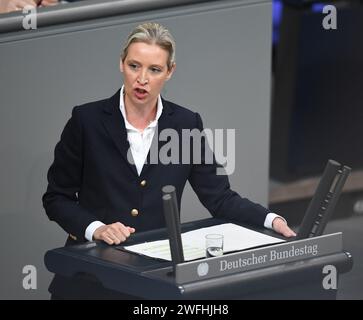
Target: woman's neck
(140, 116)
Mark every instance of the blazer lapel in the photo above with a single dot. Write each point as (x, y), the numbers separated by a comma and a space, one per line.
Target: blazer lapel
(115, 125)
(165, 121)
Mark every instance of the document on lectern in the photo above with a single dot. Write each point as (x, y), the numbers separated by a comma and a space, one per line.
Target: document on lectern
(236, 238)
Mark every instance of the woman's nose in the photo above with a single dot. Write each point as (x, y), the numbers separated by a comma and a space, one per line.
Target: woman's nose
(142, 79)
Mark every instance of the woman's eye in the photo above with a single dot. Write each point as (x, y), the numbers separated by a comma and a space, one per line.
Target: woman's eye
(133, 66)
(155, 70)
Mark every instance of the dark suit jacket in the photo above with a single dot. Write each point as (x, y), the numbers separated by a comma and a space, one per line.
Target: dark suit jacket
(91, 178)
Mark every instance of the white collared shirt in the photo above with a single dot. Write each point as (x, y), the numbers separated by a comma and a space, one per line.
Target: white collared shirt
(140, 142)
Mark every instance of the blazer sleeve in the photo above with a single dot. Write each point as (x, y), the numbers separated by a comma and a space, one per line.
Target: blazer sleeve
(60, 200)
(215, 193)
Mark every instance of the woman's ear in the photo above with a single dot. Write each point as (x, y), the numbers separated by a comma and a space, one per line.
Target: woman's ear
(121, 66)
(170, 71)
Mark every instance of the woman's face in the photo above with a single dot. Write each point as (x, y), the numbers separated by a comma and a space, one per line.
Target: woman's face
(145, 72)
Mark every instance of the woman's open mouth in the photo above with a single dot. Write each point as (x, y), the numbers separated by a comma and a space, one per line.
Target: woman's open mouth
(140, 93)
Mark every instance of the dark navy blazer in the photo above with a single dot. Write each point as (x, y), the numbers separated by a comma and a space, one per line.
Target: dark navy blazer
(91, 178)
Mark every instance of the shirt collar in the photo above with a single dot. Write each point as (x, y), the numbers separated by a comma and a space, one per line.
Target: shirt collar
(128, 125)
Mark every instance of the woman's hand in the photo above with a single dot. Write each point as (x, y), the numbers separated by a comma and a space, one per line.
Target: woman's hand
(114, 233)
(47, 3)
(280, 226)
(15, 5)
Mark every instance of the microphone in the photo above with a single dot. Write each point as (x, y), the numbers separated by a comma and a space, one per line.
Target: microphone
(171, 214)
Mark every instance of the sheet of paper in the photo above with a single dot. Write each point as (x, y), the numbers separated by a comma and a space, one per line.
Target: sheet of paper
(235, 238)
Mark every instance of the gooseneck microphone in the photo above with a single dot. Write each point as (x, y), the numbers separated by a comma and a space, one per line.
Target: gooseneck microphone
(171, 214)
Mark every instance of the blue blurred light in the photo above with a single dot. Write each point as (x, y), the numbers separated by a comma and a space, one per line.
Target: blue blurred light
(276, 12)
(318, 7)
(276, 19)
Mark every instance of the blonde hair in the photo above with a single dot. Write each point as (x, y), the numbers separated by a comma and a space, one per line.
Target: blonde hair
(152, 33)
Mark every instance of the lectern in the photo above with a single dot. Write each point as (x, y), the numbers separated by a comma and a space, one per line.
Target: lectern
(294, 275)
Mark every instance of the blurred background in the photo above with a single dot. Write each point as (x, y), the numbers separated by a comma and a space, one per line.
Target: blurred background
(291, 88)
(316, 114)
